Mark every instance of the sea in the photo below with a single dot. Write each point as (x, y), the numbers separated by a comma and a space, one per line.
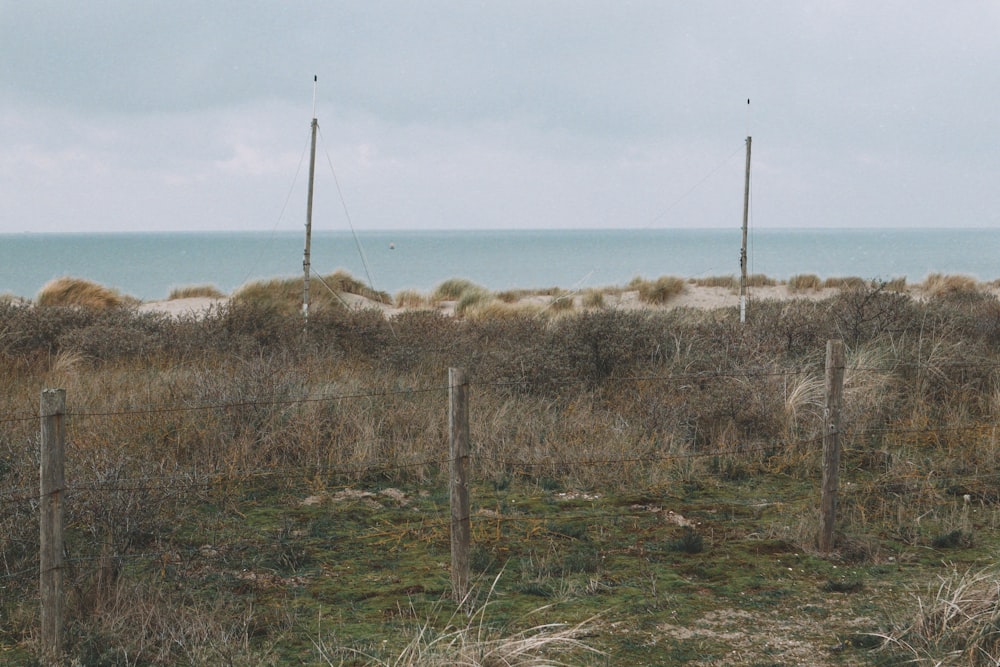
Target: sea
(149, 265)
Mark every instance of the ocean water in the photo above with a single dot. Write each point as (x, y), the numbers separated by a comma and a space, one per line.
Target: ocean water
(149, 265)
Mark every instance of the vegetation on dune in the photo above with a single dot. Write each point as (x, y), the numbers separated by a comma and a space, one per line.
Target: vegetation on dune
(246, 489)
(730, 282)
(659, 291)
(67, 291)
(284, 296)
(804, 282)
(196, 291)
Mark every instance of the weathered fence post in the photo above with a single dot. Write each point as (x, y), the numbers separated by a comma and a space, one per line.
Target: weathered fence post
(51, 497)
(458, 427)
(831, 442)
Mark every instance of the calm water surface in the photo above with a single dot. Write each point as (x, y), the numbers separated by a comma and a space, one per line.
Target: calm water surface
(149, 265)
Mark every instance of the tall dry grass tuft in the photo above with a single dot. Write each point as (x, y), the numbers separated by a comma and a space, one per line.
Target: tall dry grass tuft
(410, 299)
(956, 622)
(80, 293)
(471, 299)
(804, 282)
(342, 281)
(760, 280)
(284, 295)
(478, 641)
(593, 299)
(938, 285)
(453, 289)
(730, 282)
(849, 282)
(196, 291)
(659, 291)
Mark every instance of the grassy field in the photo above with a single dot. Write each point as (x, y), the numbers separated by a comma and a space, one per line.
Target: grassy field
(645, 490)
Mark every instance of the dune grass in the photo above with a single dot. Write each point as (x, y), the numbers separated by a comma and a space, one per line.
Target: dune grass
(659, 291)
(196, 291)
(68, 291)
(804, 282)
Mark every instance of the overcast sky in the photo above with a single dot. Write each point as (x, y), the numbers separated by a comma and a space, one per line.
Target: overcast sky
(194, 115)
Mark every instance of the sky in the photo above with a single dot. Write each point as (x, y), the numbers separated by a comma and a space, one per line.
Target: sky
(464, 114)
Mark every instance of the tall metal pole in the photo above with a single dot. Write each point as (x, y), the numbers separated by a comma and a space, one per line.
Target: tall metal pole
(743, 248)
(309, 211)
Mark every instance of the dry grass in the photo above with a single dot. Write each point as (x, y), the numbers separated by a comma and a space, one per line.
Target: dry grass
(957, 622)
(411, 299)
(196, 291)
(476, 641)
(495, 309)
(76, 292)
(849, 282)
(453, 289)
(729, 282)
(325, 293)
(593, 299)
(659, 291)
(940, 285)
(804, 282)
(760, 280)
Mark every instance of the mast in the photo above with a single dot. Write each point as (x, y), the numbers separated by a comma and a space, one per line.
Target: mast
(743, 248)
(309, 211)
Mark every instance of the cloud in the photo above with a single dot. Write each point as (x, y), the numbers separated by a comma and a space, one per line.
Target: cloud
(453, 113)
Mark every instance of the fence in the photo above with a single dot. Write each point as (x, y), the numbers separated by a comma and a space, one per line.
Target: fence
(52, 495)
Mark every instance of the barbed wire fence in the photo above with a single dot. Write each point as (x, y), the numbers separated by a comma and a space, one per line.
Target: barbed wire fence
(98, 546)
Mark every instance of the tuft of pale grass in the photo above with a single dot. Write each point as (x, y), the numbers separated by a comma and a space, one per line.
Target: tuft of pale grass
(955, 622)
(342, 281)
(476, 641)
(410, 299)
(804, 282)
(659, 291)
(940, 285)
(593, 299)
(453, 289)
(562, 302)
(729, 282)
(850, 282)
(895, 285)
(760, 280)
(68, 291)
(283, 295)
(473, 298)
(196, 291)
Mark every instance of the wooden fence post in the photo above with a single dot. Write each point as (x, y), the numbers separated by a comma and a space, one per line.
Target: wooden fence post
(831, 442)
(461, 534)
(53, 437)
